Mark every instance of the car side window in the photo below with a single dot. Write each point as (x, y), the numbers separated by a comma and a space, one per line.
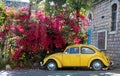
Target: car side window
(74, 50)
(86, 50)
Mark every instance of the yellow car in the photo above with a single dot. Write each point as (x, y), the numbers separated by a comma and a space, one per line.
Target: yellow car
(78, 55)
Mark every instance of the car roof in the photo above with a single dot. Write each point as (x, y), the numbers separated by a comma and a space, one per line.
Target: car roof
(77, 45)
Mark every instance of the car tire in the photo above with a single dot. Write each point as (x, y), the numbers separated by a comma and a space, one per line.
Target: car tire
(51, 65)
(97, 65)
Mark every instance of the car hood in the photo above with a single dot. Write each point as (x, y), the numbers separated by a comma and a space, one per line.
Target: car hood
(103, 53)
(56, 54)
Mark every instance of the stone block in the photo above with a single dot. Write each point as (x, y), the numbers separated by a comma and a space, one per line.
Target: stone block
(8, 67)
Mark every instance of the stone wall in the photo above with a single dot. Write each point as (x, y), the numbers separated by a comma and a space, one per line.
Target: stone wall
(99, 11)
(102, 21)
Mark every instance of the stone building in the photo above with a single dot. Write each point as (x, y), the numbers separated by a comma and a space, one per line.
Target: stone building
(105, 19)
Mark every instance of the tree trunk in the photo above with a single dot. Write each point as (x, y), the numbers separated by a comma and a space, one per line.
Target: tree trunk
(77, 15)
(0, 54)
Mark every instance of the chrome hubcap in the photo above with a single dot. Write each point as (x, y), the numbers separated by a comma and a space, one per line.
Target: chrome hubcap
(51, 66)
(97, 66)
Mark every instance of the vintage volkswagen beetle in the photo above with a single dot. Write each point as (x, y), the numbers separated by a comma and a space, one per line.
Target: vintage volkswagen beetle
(78, 55)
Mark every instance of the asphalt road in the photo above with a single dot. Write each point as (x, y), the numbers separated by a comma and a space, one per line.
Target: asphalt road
(59, 73)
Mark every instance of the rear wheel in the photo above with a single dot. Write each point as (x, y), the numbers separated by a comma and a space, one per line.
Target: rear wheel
(97, 65)
(51, 65)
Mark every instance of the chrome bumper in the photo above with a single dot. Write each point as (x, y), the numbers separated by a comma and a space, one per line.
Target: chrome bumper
(41, 63)
(109, 67)
(111, 63)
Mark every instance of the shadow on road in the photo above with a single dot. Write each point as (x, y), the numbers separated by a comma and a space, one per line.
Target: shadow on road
(75, 69)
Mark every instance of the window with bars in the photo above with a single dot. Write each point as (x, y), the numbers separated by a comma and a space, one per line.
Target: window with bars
(102, 40)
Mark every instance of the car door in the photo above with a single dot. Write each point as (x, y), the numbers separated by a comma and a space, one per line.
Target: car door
(86, 54)
(71, 57)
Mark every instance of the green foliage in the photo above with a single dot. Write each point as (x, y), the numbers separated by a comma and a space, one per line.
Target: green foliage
(71, 5)
(35, 1)
(2, 64)
(56, 9)
(2, 14)
(28, 60)
(79, 4)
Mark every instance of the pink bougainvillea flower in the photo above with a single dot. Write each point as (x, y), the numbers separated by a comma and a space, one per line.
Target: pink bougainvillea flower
(23, 17)
(76, 28)
(20, 29)
(13, 28)
(85, 22)
(40, 12)
(16, 14)
(78, 15)
(59, 41)
(32, 16)
(82, 17)
(1, 34)
(44, 32)
(25, 8)
(7, 8)
(17, 54)
(7, 27)
(76, 40)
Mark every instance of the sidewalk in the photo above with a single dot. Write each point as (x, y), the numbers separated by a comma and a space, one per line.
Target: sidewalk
(115, 69)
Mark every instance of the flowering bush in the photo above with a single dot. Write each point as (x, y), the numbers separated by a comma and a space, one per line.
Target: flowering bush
(41, 32)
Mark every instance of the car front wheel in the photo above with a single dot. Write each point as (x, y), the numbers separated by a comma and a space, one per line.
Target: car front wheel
(97, 65)
(51, 65)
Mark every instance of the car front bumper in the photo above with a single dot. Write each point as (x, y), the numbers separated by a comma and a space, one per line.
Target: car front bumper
(41, 63)
(111, 63)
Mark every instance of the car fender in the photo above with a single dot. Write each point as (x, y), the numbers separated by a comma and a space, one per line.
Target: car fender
(59, 65)
(97, 58)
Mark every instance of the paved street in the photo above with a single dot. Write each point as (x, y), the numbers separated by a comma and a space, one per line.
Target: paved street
(59, 73)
